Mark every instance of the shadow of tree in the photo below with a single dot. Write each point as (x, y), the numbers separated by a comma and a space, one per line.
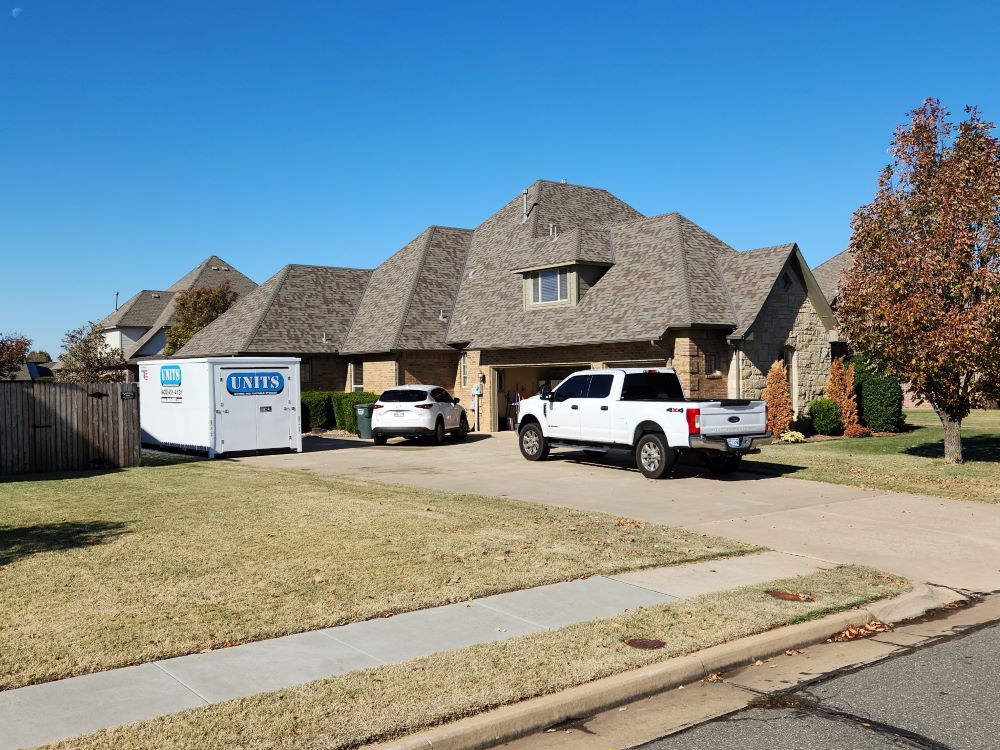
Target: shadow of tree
(985, 448)
(18, 542)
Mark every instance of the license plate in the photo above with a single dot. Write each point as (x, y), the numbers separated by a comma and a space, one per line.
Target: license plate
(399, 414)
(733, 442)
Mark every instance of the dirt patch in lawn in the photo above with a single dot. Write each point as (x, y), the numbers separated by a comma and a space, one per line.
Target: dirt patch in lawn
(386, 702)
(113, 569)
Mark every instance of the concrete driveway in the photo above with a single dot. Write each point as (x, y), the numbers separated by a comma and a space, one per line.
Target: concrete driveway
(945, 542)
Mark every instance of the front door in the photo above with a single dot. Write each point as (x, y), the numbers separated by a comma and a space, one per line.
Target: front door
(563, 410)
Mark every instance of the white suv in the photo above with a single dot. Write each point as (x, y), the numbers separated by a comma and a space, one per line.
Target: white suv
(418, 411)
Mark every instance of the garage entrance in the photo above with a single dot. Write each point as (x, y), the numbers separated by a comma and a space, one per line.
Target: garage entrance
(510, 384)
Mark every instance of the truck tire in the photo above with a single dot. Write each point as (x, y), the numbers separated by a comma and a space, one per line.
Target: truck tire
(654, 457)
(722, 463)
(532, 443)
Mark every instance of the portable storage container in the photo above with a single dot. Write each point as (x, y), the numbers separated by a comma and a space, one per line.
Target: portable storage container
(220, 404)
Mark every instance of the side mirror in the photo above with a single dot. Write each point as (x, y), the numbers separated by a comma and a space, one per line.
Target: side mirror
(456, 400)
(545, 393)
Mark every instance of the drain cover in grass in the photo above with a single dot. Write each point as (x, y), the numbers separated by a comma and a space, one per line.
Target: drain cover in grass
(645, 643)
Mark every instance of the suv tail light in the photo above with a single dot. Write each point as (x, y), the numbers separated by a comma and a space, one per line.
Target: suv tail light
(425, 406)
(376, 406)
(694, 421)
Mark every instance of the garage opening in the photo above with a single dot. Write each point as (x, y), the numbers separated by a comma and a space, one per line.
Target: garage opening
(511, 384)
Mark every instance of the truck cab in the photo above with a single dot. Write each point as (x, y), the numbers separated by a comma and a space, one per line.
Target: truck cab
(643, 411)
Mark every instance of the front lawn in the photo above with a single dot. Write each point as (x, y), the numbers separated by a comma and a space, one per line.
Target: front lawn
(112, 569)
(909, 462)
(384, 702)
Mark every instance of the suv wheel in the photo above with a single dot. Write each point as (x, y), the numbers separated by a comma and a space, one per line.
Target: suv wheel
(438, 437)
(532, 442)
(463, 429)
(379, 439)
(654, 457)
(723, 463)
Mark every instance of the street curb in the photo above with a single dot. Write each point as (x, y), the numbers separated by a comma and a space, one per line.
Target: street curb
(528, 716)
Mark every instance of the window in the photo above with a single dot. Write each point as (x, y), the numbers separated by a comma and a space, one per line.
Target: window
(786, 281)
(550, 286)
(358, 376)
(463, 370)
(600, 386)
(403, 396)
(575, 387)
(305, 370)
(652, 386)
(712, 364)
(441, 396)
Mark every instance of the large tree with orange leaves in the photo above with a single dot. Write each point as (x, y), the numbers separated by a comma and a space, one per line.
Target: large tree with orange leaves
(922, 298)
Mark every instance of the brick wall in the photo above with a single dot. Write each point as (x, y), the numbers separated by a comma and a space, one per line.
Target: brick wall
(329, 373)
(787, 319)
(429, 368)
(692, 350)
(379, 374)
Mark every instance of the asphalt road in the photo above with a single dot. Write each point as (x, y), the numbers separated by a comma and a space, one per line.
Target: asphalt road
(943, 697)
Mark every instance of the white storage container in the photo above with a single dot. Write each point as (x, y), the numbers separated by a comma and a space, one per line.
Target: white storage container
(221, 404)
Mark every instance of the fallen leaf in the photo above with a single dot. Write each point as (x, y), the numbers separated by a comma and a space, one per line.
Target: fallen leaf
(500, 558)
(319, 579)
(792, 596)
(855, 632)
(759, 663)
(714, 677)
(792, 652)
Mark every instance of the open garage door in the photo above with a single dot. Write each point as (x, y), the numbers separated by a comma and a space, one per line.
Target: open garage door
(523, 381)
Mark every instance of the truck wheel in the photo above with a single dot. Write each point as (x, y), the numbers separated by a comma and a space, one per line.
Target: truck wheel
(654, 457)
(722, 463)
(532, 442)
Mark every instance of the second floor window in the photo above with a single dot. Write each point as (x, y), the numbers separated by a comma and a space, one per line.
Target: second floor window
(550, 286)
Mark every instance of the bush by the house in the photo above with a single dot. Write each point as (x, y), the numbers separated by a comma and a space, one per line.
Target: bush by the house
(317, 410)
(792, 436)
(778, 398)
(825, 416)
(857, 430)
(343, 408)
(840, 388)
(880, 398)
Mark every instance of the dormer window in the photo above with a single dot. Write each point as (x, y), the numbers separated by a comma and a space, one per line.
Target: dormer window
(550, 285)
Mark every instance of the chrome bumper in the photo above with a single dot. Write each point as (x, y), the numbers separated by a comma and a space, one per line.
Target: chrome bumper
(748, 443)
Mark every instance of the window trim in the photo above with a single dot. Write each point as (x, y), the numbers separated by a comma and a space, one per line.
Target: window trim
(563, 293)
(463, 370)
(713, 371)
(357, 368)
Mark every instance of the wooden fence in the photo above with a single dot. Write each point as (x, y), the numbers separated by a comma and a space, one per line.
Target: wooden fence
(68, 427)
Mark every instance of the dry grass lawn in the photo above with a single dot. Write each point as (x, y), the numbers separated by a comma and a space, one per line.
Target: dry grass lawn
(390, 701)
(106, 570)
(909, 462)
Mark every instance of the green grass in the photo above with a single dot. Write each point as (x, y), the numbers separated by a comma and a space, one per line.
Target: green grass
(105, 570)
(909, 462)
(390, 701)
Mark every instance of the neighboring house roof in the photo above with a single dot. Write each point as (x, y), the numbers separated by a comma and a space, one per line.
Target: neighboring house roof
(300, 310)
(831, 273)
(410, 295)
(140, 310)
(33, 371)
(211, 272)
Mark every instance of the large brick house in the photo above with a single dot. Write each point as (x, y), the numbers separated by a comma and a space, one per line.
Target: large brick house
(562, 277)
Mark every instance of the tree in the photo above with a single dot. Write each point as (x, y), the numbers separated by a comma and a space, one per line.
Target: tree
(922, 298)
(38, 355)
(88, 358)
(840, 388)
(13, 353)
(779, 399)
(193, 310)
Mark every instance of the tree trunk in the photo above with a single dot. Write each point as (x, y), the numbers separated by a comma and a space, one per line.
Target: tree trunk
(952, 438)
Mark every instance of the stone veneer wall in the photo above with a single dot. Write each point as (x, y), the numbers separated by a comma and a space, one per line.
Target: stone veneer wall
(787, 319)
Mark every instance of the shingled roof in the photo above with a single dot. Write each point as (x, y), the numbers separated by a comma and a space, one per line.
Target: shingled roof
(300, 310)
(140, 310)
(830, 274)
(410, 296)
(211, 272)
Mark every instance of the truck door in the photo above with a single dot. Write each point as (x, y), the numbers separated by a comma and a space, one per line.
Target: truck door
(595, 409)
(563, 411)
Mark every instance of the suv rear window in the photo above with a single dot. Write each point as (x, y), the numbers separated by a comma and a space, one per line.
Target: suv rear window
(652, 386)
(407, 396)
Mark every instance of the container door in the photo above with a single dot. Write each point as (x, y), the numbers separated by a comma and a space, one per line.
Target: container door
(235, 419)
(255, 401)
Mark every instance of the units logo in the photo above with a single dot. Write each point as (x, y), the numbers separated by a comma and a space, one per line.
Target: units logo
(255, 383)
(170, 376)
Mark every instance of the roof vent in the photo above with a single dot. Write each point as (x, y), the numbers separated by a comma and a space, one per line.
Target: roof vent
(443, 316)
(553, 230)
(216, 268)
(562, 181)
(524, 210)
(155, 296)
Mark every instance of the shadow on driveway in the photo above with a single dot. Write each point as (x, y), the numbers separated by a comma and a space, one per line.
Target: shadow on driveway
(316, 443)
(689, 466)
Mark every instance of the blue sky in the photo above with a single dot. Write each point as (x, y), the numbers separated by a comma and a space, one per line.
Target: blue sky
(137, 138)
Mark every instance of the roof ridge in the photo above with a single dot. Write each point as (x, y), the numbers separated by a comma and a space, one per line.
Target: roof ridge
(725, 287)
(280, 279)
(349, 329)
(458, 286)
(394, 341)
(774, 280)
(679, 238)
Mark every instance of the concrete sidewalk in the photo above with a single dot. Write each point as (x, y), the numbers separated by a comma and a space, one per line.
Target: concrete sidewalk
(56, 710)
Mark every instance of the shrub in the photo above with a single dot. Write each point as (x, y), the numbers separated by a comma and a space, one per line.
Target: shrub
(840, 388)
(343, 408)
(792, 436)
(880, 398)
(778, 398)
(825, 416)
(317, 410)
(857, 431)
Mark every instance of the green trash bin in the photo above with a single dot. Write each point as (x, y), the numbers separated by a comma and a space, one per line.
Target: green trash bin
(363, 416)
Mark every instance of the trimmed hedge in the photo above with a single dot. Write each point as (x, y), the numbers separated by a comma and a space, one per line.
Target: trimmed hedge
(880, 398)
(825, 416)
(317, 410)
(343, 408)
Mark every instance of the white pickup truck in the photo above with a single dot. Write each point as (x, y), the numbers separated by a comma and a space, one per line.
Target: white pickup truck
(642, 411)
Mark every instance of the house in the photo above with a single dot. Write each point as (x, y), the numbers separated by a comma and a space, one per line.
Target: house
(562, 277)
(830, 273)
(139, 326)
(32, 371)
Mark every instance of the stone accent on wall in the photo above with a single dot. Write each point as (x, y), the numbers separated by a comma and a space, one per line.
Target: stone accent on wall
(693, 350)
(787, 319)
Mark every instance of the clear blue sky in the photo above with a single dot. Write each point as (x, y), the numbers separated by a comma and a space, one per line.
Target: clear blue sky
(137, 138)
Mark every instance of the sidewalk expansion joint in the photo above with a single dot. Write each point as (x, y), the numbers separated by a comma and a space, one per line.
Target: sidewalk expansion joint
(181, 682)
(351, 646)
(494, 610)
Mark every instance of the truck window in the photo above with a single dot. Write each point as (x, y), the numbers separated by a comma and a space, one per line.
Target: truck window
(652, 386)
(600, 386)
(574, 387)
